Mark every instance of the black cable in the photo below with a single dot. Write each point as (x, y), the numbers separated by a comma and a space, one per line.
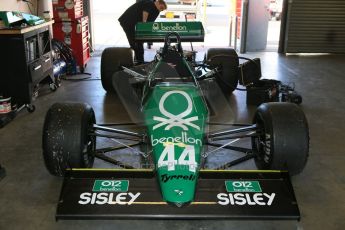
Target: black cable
(27, 3)
(230, 86)
(64, 49)
(46, 44)
(37, 7)
(82, 79)
(65, 53)
(244, 58)
(78, 79)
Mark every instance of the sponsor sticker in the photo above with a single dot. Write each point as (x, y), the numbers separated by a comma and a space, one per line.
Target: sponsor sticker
(171, 27)
(165, 177)
(261, 199)
(110, 186)
(172, 120)
(242, 186)
(102, 198)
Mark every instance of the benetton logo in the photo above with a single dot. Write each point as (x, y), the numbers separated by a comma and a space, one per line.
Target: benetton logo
(173, 120)
(163, 27)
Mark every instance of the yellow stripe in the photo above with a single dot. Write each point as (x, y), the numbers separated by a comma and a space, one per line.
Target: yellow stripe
(165, 203)
(151, 203)
(203, 202)
(243, 171)
(115, 170)
(202, 170)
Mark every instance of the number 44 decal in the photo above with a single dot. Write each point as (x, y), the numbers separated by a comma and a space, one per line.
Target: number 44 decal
(167, 158)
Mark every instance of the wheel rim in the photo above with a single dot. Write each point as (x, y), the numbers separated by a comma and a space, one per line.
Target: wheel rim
(262, 144)
(89, 146)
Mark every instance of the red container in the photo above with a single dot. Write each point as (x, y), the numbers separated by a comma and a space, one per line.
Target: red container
(67, 10)
(75, 34)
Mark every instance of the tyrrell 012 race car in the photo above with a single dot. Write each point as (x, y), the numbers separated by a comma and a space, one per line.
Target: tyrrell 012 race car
(171, 101)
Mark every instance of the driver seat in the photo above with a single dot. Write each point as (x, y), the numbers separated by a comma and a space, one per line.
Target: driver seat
(173, 58)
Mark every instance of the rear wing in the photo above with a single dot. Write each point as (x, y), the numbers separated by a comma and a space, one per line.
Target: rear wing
(156, 31)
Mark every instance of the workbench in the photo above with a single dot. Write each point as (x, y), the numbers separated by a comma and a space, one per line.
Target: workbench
(26, 60)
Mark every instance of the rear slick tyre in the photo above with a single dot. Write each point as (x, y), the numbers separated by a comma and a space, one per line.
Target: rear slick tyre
(226, 59)
(66, 141)
(111, 61)
(283, 141)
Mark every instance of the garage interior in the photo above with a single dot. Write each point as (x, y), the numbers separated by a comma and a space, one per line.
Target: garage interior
(314, 63)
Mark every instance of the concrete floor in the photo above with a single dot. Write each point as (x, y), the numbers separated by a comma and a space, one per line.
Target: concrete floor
(29, 194)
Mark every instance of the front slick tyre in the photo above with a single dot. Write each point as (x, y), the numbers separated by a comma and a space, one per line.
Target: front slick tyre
(66, 140)
(283, 141)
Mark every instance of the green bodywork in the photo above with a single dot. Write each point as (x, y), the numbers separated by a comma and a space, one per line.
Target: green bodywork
(156, 31)
(175, 116)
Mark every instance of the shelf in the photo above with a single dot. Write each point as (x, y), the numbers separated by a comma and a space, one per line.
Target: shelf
(25, 29)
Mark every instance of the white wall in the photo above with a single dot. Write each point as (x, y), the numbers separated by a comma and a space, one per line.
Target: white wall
(45, 5)
(15, 5)
(107, 30)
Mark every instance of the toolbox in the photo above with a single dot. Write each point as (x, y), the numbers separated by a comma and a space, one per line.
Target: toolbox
(67, 9)
(76, 35)
(72, 28)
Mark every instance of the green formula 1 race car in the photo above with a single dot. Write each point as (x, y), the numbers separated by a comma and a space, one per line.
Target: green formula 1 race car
(169, 99)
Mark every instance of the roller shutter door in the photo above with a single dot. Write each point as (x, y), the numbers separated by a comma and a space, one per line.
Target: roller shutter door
(315, 26)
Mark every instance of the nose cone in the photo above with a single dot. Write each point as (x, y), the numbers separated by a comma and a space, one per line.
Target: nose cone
(178, 187)
(175, 117)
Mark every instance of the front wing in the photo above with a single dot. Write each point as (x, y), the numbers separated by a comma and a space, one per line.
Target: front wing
(135, 194)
